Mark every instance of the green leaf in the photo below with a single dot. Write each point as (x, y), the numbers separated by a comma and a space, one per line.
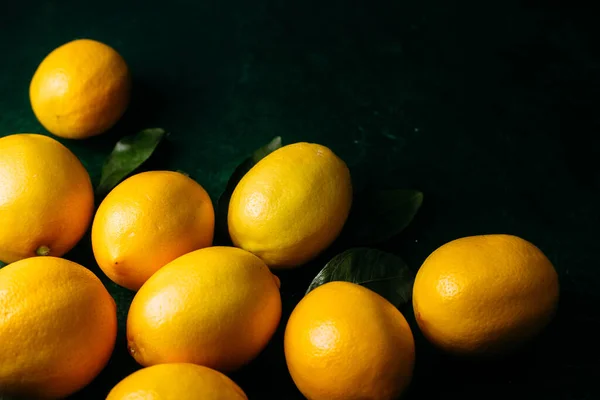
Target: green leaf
(2, 265)
(222, 231)
(381, 215)
(129, 153)
(382, 272)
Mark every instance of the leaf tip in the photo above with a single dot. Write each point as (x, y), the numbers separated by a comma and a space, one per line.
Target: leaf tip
(419, 196)
(276, 142)
(127, 155)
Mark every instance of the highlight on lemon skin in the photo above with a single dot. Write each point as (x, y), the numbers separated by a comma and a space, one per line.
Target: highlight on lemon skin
(485, 295)
(177, 381)
(291, 205)
(80, 89)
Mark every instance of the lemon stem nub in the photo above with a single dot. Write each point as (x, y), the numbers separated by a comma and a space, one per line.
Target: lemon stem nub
(43, 251)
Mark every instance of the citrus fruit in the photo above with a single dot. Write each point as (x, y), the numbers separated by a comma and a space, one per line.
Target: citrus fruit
(216, 307)
(46, 197)
(291, 205)
(147, 221)
(344, 341)
(176, 381)
(80, 89)
(58, 326)
(484, 294)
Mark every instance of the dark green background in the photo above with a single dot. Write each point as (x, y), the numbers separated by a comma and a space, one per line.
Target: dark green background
(489, 108)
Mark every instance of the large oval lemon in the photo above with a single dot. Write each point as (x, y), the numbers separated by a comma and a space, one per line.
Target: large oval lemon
(147, 221)
(46, 197)
(177, 381)
(346, 342)
(80, 89)
(216, 307)
(291, 205)
(484, 294)
(58, 326)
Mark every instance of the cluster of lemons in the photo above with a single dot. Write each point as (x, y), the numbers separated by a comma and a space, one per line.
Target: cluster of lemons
(202, 311)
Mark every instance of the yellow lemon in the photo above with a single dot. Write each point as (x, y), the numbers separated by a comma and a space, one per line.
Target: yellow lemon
(80, 89)
(177, 381)
(216, 307)
(484, 294)
(291, 205)
(346, 342)
(58, 326)
(147, 221)
(46, 197)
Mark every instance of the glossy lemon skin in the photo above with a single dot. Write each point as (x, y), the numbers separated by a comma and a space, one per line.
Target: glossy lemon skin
(485, 294)
(346, 342)
(177, 381)
(58, 326)
(81, 89)
(147, 221)
(46, 197)
(216, 307)
(291, 205)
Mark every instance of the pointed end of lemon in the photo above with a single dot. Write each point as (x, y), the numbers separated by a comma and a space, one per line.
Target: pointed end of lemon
(277, 281)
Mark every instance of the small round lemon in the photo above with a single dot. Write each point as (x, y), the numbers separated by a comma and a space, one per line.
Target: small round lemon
(485, 294)
(346, 342)
(80, 89)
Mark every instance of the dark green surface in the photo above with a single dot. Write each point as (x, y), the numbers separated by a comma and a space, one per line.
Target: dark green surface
(491, 109)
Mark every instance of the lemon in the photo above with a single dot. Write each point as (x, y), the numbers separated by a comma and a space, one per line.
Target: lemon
(216, 307)
(291, 205)
(46, 197)
(80, 89)
(485, 294)
(346, 342)
(147, 221)
(177, 381)
(58, 326)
